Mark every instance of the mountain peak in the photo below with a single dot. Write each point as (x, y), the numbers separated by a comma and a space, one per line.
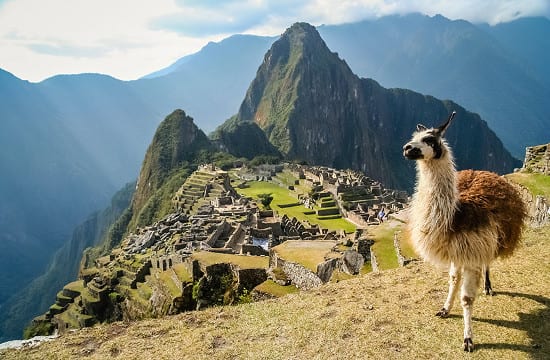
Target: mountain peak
(312, 107)
(298, 62)
(177, 141)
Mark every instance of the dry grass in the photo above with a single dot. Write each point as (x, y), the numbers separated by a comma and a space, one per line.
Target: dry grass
(385, 316)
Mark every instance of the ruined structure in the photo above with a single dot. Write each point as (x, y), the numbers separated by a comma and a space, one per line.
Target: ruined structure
(163, 268)
(359, 198)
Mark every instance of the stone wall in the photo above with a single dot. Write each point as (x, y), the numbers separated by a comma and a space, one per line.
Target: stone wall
(401, 260)
(236, 239)
(537, 159)
(301, 277)
(298, 275)
(538, 207)
(213, 238)
(374, 262)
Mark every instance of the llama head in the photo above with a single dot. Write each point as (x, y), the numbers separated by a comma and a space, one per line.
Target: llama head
(427, 144)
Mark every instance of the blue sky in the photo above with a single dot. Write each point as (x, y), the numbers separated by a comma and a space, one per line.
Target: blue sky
(131, 38)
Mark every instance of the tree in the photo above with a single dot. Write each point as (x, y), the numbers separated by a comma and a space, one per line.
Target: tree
(266, 199)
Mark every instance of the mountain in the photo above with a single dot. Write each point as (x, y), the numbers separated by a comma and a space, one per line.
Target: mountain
(71, 141)
(528, 39)
(484, 68)
(229, 137)
(67, 145)
(178, 145)
(312, 107)
(64, 266)
(208, 84)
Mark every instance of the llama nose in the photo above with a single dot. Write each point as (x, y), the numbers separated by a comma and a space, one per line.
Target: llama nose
(407, 147)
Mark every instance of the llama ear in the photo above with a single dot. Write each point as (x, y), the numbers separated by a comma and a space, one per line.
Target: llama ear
(421, 127)
(442, 128)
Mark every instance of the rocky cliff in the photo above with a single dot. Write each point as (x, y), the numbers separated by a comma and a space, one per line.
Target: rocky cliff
(313, 108)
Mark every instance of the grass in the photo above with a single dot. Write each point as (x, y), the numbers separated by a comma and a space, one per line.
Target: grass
(182, 273)
(538, 184)
(76, 286)
(166, 279)
(243, 261)
(376, 316)
(272, 288)
(287, 178)
(308, 253)
(281, 196)
(383, 245)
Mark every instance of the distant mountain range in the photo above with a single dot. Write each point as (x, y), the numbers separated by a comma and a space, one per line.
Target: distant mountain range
(69, 142)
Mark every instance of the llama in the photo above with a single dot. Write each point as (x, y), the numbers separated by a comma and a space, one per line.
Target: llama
(460, 220)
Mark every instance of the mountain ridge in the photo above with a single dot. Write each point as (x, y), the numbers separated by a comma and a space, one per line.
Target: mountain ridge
(312, 107)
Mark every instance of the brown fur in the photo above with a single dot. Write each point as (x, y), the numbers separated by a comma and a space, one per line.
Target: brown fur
(486, 197)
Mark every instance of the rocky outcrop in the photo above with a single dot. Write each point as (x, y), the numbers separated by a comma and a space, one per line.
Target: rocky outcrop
(537, 159)
(223, 283)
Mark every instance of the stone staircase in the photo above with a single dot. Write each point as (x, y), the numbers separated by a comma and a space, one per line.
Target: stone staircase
(199, 189)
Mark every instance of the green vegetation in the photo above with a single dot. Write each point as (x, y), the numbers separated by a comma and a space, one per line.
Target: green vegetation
(272, 288)
(168, 282)
(159, 204)
(182, 273)
(266, 200)
(245, 297)
(40, 328)
(281, 196)
(75, 286)
(383, 246)
(264, 159)
(538, 184)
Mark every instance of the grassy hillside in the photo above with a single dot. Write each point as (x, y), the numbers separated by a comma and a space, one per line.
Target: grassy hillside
(538, 184)
(389, 315)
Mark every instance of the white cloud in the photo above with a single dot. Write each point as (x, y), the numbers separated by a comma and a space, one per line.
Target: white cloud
(130, 38)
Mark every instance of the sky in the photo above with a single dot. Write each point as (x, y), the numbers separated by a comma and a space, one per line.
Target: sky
(128, 39)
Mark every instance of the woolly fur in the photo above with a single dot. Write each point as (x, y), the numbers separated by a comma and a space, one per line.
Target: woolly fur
(467, 218)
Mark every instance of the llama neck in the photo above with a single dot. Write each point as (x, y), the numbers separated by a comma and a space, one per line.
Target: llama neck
(435, 199)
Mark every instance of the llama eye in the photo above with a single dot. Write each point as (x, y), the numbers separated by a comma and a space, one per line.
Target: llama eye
(430, 140)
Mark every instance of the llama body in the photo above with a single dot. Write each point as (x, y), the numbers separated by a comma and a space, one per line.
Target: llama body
(461, 220)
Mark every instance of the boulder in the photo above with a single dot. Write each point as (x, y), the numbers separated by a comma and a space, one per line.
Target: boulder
(352, 262)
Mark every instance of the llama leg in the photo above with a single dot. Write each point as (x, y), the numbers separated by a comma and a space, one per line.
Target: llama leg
(454, 280)
(487, 289)
(468, 294)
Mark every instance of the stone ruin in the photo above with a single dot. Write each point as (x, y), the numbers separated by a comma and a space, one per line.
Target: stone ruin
(209, 215)
(537, 160)
(360, 198)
